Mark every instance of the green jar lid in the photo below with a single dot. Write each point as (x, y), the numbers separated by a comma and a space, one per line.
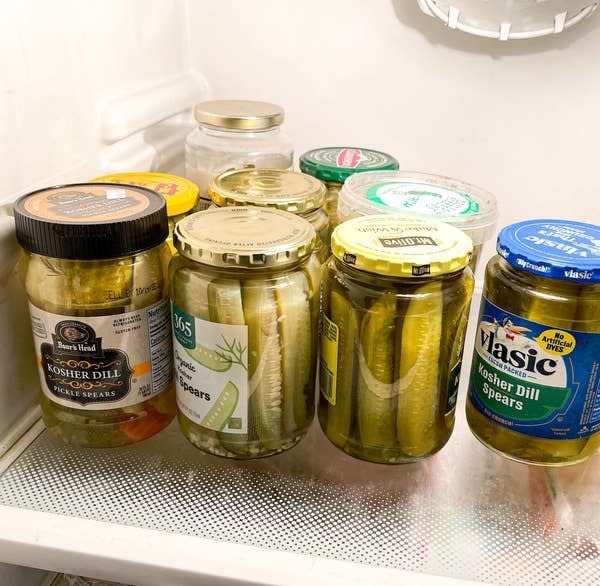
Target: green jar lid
(338, 163)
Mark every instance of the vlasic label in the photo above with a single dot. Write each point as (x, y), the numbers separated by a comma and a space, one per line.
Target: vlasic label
(211, 372)
(422, 198)
(535, 379)
(105, 362)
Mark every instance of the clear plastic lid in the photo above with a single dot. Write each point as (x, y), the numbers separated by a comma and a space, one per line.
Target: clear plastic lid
(454, 202)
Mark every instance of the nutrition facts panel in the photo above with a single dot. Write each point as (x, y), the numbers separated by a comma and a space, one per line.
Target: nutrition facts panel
(159, 334)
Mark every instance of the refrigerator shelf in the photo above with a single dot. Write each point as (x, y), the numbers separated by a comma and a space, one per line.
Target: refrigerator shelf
(163, 512)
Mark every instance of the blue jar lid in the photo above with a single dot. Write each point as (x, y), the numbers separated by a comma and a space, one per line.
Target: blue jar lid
(557, 249)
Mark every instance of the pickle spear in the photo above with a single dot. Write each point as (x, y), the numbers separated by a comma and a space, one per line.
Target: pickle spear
(339, 416)
(419, 350)
(225, 302)
(558, 309)
(292, 296)
(376, 397)
(264, 361)
(190, 292)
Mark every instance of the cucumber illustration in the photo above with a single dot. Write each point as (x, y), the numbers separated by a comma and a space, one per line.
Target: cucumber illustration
(223, 408)
(209, 358)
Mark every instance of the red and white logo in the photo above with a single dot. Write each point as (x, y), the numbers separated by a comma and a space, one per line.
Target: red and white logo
(349, 158)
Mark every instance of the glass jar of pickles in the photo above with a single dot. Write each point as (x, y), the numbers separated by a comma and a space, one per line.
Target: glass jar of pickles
(448, 200)
(180, 194)
(234, 134)
(395, 300)
(534, 391)
(245, 300)
(95, 274)
(333, 165)
(275, 188)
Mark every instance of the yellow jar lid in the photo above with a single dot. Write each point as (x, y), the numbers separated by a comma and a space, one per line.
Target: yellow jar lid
(274, 188)
(400, 246)
(179, 193)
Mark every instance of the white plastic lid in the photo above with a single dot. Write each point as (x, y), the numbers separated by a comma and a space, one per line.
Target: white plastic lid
(410, 193)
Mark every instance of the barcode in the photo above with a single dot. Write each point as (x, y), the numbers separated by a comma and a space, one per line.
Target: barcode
(326, 382)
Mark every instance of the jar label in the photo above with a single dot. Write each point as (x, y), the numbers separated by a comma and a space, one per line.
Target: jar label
(104, 362)
(211, 372)
(534, 378)
(328, 359)
(422, 198)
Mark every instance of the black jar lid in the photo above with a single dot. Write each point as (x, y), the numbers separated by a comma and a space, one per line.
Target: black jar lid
(89, 221)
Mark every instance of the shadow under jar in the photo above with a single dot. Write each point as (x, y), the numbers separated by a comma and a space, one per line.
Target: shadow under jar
(534, 392)
(245, 293)
(395, 301)
(95, 267)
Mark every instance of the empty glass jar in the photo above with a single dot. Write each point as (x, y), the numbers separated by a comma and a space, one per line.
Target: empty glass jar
(234, 134)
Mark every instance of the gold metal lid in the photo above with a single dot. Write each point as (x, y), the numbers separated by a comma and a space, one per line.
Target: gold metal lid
(401, 246)
(239, 114)
(274, 188)
(244, 237)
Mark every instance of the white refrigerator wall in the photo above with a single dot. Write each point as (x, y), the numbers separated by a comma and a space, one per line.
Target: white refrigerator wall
(518, 118)
(91, 87)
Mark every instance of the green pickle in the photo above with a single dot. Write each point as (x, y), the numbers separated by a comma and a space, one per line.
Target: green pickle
(553, 303)
(418, 371)
(392, 345)
(275, 301)
(88, 289)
